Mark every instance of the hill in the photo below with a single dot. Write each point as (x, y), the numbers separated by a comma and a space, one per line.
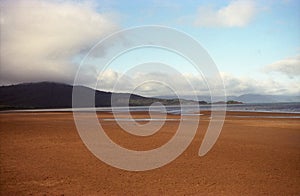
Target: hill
(57, 95)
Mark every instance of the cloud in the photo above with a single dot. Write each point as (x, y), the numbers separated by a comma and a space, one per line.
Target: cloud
(41, 39)
(236, 14)
(235, 85)
(157, 83)
(153, 83)
(289, 67)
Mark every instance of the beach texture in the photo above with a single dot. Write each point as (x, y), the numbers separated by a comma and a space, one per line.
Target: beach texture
(42, 153)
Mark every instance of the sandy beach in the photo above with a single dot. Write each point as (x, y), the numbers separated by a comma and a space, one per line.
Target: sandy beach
(256, 153)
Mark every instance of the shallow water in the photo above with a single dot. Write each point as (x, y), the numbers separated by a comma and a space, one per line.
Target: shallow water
(186, 109)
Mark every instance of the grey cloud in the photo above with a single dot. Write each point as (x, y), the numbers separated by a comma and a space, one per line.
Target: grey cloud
(40, 39)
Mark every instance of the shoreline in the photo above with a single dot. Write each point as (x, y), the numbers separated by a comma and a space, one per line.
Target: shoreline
(250, 114)
(71, 110)
(282, 108)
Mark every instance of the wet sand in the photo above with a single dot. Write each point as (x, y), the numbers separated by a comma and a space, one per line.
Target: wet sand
(42, 153)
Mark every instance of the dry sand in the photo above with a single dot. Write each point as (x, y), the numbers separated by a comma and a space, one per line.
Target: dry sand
(42, 153)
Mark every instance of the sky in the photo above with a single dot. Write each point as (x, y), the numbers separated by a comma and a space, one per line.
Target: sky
(255, 45)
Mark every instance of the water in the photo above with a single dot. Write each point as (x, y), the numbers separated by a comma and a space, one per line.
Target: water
(266, 107)
(189, 110)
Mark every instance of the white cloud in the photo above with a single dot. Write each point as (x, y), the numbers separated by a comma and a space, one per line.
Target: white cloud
(158, 83)
(236, 14)
(268, 85)
(289, 66)
(40, 39)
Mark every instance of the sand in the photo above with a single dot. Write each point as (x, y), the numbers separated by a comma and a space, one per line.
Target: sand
(42, 154)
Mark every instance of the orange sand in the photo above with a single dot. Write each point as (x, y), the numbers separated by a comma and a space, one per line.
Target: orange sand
(42, 153)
